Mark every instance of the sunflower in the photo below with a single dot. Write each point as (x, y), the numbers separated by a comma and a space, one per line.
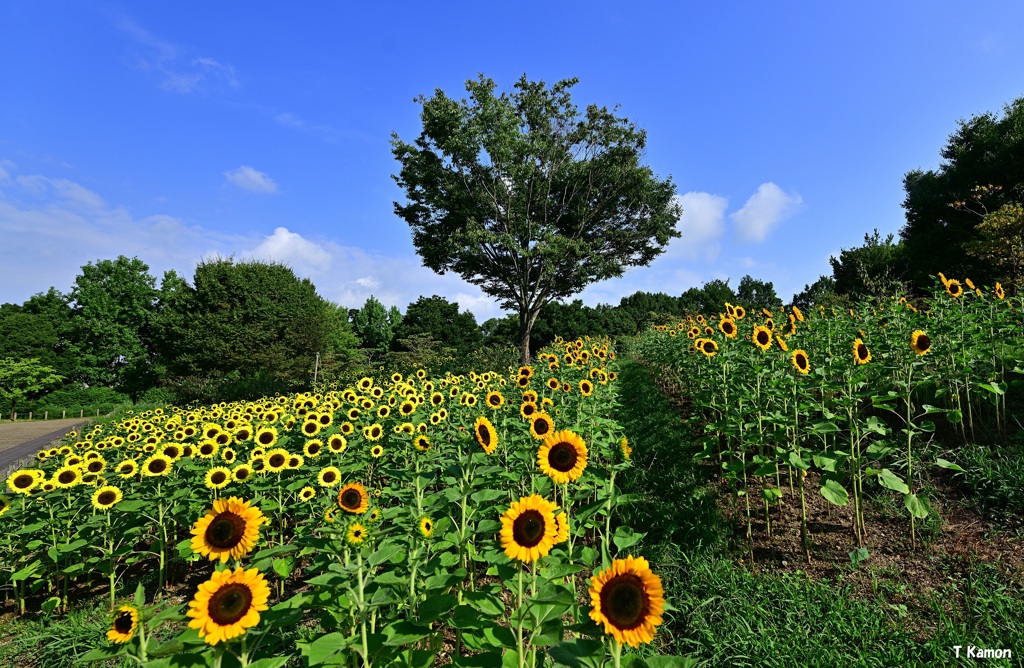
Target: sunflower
(356, 534)
(407, 408)
(124, 625)
(374, 432)
(67, 476)
(295, 461)
(970, 284)
(628, 600)
(127, 468)
(953, 288)
(353, 498)
(800, 361)
(5, 504)
(920, 342)
(586, 387)
(1000, 294)
(529, 528)
(426, 527)
(494, 400)
(709, 347)
(106, 497)
(218, 477)
(266, 437)
(329, 476)
(728, 327)
(625, 447)
(562, 522)
(422, 442)
(377, 451)
(227, 455)
(861, 354)
(782, 344)
(562, 456)
(762, 337)
(541, 425)
(23, 481)
(277, 460)
(307, 493)
(230, 529)
(796, 312)
(311, 427)
(374, 515)
(486, 436)
(228, 603)
(241, 473)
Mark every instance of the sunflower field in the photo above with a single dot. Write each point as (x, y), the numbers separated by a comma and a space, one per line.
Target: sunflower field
(873, 394)
(469, 520)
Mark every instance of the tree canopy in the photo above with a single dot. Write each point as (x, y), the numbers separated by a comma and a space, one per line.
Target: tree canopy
(440, 319)
(526, 197)
(985, 149)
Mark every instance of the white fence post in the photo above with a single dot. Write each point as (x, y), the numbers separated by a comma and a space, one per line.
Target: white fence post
(63, 414)
(30, 415)
(46, 415)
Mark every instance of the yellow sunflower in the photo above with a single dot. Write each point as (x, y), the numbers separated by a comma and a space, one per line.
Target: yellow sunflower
(124, 625)
(157, 465)
(920, 342)
(356, 534)
(1000, 294)
(329, 476)
(353, 498)
(422, 442)
(562, 456)
(586, 387)
(307, 493)
(861, 354)
(265, 437)
(218, 477)
(708, 346)
(230, 529)
(67, 476)
(486, 435)
(241, 473)
(106, 497)
(728, 327)
(5, 504)
(800, 361)
(529, 528)
(23, 481)
(627, 599)
(426, 527)
(762, 337)
(313, 447)
(953, 288)
(228, 603)
(276, 460)
(541, 425)
(782, 344)
(377, 451)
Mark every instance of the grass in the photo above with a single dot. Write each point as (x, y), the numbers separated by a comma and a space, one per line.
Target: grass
(725, 615)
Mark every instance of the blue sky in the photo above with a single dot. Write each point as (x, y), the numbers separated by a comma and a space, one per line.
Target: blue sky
(180, 131)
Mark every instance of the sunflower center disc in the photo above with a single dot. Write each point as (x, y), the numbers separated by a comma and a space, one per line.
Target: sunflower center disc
(95, 467)
(157, 466)
(485, 435)
(217, 478)
(276, 460)
(24, 481)
(66, 477)
(542, 427)
(624, 602)
(762, 338)
(862, 351)
(106, 498)
(230, 604)
(351, 499)
(562, 457)
(123, 623)
(226, 530)
(528, 528)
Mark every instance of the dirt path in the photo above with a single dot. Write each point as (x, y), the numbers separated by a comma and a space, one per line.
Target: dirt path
(19, 440)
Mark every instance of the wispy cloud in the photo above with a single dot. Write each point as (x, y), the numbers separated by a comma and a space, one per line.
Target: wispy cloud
(764, 211)
(180, 69)
(701, 226)
(251, 179)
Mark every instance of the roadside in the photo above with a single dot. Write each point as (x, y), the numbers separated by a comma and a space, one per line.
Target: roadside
(20, 440)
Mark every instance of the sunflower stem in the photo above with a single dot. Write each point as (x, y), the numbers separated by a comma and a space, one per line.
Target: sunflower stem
(519, 624)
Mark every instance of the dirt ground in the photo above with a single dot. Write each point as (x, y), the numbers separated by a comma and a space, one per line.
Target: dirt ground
(16, 433)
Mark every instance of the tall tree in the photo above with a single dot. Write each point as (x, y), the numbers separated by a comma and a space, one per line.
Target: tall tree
(246, 317)
(20, 379)
(986, 149)
(529, 199)
(440, 319)
(112, 305)
(375, 325)
(755, 294)
(871, 270)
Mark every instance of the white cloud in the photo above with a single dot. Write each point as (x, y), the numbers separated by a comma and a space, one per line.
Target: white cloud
(764, 211)
(252, 180)
(701, 226)
(289, 248)
(368, 282)
(180, 71)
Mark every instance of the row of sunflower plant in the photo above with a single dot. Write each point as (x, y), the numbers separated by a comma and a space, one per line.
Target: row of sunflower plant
(853, 395)
(392, 522)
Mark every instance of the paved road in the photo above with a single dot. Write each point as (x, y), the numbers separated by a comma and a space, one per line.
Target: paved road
(12, 456)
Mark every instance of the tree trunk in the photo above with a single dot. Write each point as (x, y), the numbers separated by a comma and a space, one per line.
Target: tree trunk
(526, 321)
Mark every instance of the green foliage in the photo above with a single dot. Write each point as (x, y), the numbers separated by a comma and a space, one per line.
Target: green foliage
(75, 399)
(375, 326)
(1000, 243)
(754, 294)
(111, 312)
(709, 298)
(20, 379)
(985, 149)
(821, 292)
(529, 199)
(24, 335)
(872, 270)
(244, 318)
(439, 319)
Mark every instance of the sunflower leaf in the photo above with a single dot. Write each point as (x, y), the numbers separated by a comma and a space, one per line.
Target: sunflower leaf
(578, 653)
(892, 481)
